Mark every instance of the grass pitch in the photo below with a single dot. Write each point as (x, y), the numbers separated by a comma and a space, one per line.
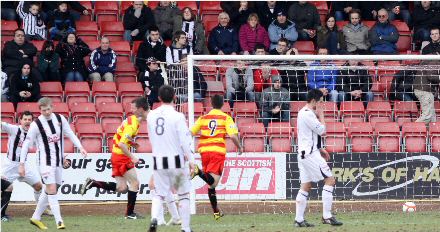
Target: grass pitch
(359, 222)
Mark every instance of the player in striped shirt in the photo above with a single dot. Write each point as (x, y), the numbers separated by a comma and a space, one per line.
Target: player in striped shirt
(123, 161)
(213, 128)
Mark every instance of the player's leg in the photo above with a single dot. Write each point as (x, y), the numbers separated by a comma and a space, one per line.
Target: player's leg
(161, 186)
(6, 188)
(117, 167)
(183, 189)
(172, 208)
(301, 205)
(158, 203)
(32, 179)
(133, 188)
(327, 201)
(213, 172)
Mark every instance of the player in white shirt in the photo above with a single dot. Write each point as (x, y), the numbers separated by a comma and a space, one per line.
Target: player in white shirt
(171, 142)
(17, 135)
(47, 132)
(312, 159)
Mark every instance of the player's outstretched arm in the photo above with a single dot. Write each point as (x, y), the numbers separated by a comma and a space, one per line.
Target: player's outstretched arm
(236, 142)
(68, 131)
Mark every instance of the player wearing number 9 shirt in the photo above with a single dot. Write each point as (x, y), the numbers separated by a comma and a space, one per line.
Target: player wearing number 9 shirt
(213, 128)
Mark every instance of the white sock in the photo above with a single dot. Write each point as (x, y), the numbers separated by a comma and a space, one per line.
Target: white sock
(171, 204)
(37, 195)
(327, 200)
(41, 206)
(301, 204)
(185, 212)
(161, 217)
(55, 207)
(156, 205)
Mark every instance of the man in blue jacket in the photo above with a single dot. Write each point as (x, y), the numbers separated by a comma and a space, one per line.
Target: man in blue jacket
(323, 79)
(223, 39)
(282, 28)
(384, 35)
(102, 62)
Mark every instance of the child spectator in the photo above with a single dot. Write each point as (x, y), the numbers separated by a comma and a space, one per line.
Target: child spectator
(33, 23)
(152, 79)
(61, 22)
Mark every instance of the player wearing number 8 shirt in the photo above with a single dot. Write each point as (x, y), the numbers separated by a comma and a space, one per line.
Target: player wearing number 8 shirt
(123, 161)
(213, 128)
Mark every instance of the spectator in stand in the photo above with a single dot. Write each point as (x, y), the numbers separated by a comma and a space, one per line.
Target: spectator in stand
(137, 19)
(61, 22)
(223, 39)
(5, 87)
(102, 62)
(282, 28)
(398, 10)
(330, 37)
(402, 86)
(16, 52)
(23, 86)
(424, 18)
(8, 11)
(282, 47)
(369, 9)
(72, 51)
(341, 9)
(267, 12)
(356, 34)
(75, 8)
(251, 34)
(194, 30)
(33, 23)
(426, 84)
(354, 83)
(152, 46)
(200, 85)
(384, 35)
(239, 83)
(275, 102)
(164, 15)
(49, 62)
(152, 79)
(434, 46)
(323, 79)
(262, 79)
(260, 49)
(238, 12)
(179, 49)
(306, 17)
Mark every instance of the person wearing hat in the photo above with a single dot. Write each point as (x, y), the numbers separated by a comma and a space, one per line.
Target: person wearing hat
(151, 80)
(282, 28)
(275, 102)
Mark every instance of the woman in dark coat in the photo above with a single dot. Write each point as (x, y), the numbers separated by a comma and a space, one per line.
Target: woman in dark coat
(72, 51)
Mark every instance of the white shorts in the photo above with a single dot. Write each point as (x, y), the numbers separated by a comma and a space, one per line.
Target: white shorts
(313, 168)
(166, 180)
(10, 172)
(51, 175)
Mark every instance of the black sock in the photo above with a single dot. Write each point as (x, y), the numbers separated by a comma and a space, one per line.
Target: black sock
(6, 197)
(131, 197)
(207, 178)
(104, 185)
(213, 199)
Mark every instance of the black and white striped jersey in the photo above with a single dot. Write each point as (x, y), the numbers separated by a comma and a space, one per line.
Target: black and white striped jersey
(32, 24)
(16, 137)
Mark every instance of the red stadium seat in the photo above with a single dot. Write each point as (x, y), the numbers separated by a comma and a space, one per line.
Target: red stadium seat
(335, 137)
(215, 87)
(209, 25)
(404, 44)
(198, 109)
(8, 112)
(87, 29)
(88, 6)
(210, 8)
(38, 44)
(253, 137)
(414, 136)
(144, 145)
(295, 107)
(4, 148)
(402, 27)
(136, 45)
(341, 24)
(230, 147)
(379, 112)
(77, 92)
(104, 92)
(190, 4)
(352, 111)
(125, 5)
(8, 27)
(110, 112)
(106, 11)
(434, 136)
(405, 112)
(305, 47)
(109, 131)
(53, 90)
(114, 31)
(62, 108)
(388, 136)
(280, 136)
(124, 70)
(437, 109)
(331, 111)
(83, 112)
(68, 144)
(93, 45)
(369, 24)
(361, 137)
(91, 136)
(29, 106)
(129, 91)
(245, 109)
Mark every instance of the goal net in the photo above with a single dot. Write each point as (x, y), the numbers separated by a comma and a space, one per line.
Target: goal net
(379, 155)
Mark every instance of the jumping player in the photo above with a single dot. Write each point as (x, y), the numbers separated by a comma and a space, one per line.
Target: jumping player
(171, 143)
(47, 131)
(312, 159)
(123, 161)
(213, 128)
(17, 135)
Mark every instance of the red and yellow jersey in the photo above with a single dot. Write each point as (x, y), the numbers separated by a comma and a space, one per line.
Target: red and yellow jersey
(213, 128)
(125, 134)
